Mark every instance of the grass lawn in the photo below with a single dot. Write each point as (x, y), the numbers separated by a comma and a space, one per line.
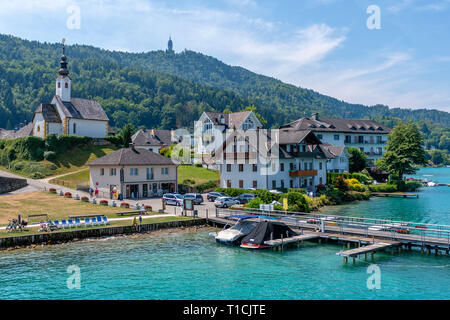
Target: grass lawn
(71, 180)
(73, 160)
(76, 159)
(34, 230)
(55, 206)
(199, 175)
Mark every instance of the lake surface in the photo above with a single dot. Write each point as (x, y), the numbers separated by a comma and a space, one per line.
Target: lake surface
(192, 266)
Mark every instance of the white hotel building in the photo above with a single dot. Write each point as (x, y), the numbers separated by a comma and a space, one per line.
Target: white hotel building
(366, 135)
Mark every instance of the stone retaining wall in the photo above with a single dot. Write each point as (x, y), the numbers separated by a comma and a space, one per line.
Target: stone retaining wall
(11, 184)
(73, 235)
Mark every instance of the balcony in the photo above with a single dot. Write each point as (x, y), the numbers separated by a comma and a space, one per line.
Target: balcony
(303, 173)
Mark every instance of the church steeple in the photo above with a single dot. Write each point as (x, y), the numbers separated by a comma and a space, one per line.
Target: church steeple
(63, 80)
(63, 62)
(170, 45)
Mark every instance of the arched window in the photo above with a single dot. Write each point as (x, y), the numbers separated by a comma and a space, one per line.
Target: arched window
(59, 84)
(66, 85)
(38, 128)
(74, 128)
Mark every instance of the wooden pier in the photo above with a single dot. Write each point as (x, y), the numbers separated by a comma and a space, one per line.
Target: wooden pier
(395, 195)
(372, 248)
(361, 236)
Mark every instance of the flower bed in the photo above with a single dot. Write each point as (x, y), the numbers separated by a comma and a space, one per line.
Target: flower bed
(104, 202)
(124, 205)
(52, 190)
(85, 199)
(148, 208)
(67, 195)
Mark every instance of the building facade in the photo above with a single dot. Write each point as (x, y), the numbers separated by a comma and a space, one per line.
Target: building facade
(135, 173)
(366, 135)
(67, 115)
(295, 160)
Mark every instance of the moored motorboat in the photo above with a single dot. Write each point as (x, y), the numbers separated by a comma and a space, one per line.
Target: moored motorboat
(264, 232)
(234, 234)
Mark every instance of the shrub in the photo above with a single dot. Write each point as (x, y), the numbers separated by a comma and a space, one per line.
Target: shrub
(188, 181)
(412, 185)
(207, 185)
(254, 203)
(104, 202)
(148, 208)
(85, 199)
(341, 184)
(383, 187)
(52, 190)
(297, 202)
(37, 175)
(124, 205)
(355, 185)
(199, 165)
(68, 195)
(49, 155)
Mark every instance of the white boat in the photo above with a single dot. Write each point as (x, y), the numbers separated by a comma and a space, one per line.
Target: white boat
(431, 184)
(233, 235)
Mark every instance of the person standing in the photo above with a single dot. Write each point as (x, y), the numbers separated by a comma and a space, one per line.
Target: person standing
(96, 192)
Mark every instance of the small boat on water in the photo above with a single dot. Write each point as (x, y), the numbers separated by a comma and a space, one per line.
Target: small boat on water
(234, 234)
(266, 231)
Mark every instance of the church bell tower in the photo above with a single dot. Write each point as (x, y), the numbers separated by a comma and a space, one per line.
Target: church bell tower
(63, 80)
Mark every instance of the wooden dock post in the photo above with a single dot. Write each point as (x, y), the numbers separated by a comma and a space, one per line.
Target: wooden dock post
(345, 259)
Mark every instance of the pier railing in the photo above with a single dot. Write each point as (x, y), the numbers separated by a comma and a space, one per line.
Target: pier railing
(368, 227)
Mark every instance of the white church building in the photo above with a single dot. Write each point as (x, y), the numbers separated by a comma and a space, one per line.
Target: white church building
(67, 115)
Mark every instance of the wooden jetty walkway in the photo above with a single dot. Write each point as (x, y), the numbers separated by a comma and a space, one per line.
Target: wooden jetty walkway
(372, 248)
(395, 195)
(366, 234)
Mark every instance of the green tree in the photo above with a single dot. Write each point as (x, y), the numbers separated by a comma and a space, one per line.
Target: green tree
(357, 160)
(439, 157)
(404, 151)
(258, 115)
(123, 138)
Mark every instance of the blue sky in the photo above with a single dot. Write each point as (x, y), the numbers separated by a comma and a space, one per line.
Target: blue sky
(324, 45)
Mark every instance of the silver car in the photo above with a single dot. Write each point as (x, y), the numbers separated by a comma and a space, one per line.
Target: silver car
(225, 202)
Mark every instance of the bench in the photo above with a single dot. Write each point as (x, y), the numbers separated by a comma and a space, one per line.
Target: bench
(128, 213)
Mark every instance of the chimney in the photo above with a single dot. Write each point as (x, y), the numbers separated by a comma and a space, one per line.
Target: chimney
(172, 135)
(315, 116)
(153, 132)
(131, 145)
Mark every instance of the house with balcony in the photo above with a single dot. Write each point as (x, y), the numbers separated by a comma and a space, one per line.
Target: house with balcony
(278, 159)
(211, 129)
(135, 173)
(366, 135)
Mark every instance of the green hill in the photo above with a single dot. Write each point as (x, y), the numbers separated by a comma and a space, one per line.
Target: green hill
(165, 90)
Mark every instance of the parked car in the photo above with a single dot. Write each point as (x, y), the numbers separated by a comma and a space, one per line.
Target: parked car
(197, 197)
(224, 202)
(244, 198)
(173, 199)
(212, 196)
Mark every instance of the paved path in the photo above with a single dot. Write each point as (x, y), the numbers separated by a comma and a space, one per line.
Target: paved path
(156, 203)
(61, 175)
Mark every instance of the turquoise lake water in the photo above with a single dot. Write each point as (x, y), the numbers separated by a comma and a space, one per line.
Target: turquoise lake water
(192, 266)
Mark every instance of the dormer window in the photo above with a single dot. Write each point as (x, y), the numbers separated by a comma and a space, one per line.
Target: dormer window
(248, 124)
